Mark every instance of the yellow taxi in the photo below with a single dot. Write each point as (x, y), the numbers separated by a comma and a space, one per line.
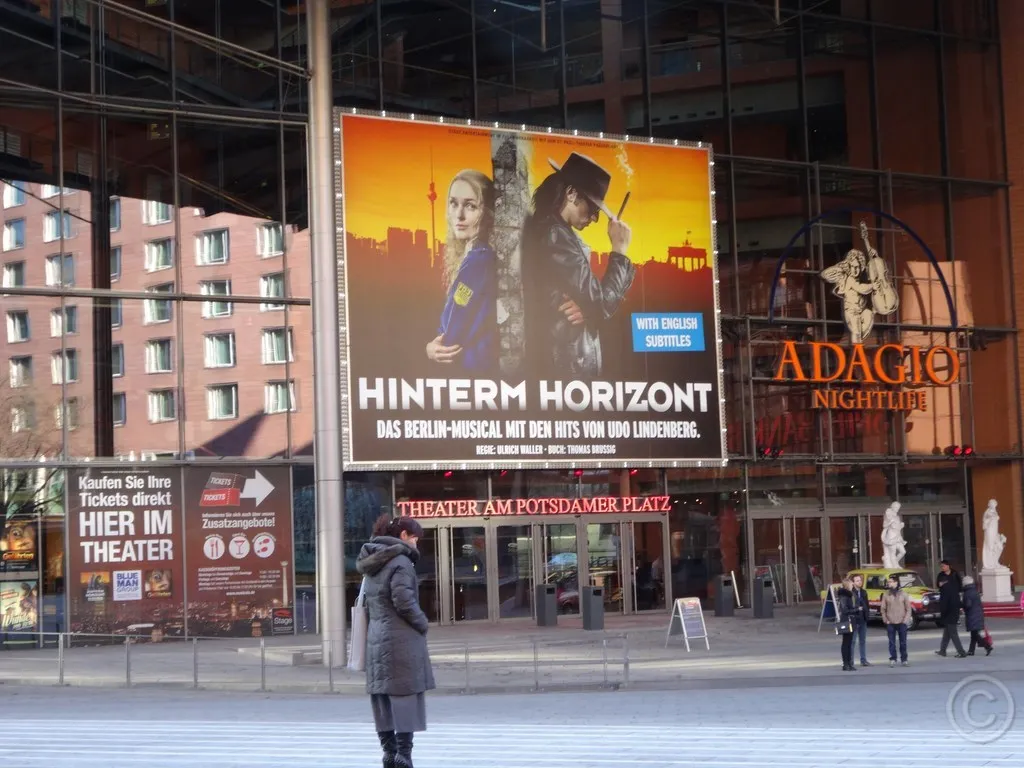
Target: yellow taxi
(924, 600)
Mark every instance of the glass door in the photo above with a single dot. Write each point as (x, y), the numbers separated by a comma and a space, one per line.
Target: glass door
(953, 541)
(871, 541)
(919, 558)
(515, 571)
(561, 564)
(844, 542)
(429, 573)
(807, 562)
(604, 563)
(468, 568)
(648, 567)
(770, 554)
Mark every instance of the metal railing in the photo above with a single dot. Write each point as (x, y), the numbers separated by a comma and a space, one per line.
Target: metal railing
(267, 664)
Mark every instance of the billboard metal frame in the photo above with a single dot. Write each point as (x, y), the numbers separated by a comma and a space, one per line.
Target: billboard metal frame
(344, 369)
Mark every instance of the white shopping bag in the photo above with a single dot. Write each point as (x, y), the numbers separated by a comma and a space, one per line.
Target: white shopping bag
(360, 618)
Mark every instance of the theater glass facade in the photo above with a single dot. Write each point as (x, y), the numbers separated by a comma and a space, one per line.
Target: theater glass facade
(161, 148)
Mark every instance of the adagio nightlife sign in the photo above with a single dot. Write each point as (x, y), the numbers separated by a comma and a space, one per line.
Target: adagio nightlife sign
(887, 377)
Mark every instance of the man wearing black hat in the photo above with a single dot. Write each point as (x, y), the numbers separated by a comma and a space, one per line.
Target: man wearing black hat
(556, 272)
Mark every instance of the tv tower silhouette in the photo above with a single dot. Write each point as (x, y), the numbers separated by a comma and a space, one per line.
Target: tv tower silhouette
(432, 197)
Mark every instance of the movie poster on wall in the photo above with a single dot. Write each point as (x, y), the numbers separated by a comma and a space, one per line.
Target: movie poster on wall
(239, 538)
(124, 552)
(523, 298)
(19, 607)
(19, 545)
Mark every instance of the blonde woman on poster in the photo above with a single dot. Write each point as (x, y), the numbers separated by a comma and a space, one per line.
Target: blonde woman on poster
(467, 335)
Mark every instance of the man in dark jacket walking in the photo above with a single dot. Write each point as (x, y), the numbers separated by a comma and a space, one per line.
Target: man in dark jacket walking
(949, 609)
(974, 618)
(860, 624)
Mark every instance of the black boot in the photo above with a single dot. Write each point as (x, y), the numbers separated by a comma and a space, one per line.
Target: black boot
(404, 757)
(389, 743)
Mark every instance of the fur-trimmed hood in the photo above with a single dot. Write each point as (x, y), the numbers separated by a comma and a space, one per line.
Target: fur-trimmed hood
(381, 550)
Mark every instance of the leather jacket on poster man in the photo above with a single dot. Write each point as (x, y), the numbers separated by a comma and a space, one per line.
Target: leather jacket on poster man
(556, 265)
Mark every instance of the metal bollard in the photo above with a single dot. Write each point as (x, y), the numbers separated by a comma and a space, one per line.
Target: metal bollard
(604, 659)
(536, 669)
(195, 663)
(467, 669)
(330, 666)
(625, 661)
(127, 661)
(263, 663)
(60, 659)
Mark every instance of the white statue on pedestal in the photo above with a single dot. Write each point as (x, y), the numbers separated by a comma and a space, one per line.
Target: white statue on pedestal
(894, 546)
(993, 542)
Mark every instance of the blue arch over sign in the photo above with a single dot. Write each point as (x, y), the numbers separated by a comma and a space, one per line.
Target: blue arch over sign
(888, 217)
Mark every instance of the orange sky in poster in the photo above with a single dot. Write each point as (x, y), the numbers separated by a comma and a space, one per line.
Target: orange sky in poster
(387, 168)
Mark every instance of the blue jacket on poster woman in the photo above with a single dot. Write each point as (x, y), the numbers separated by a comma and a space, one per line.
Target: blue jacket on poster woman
(470, 316)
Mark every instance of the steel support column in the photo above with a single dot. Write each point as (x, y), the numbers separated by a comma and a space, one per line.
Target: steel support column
(645, 68)
(563, 64)
(327, 431)
(103, 383)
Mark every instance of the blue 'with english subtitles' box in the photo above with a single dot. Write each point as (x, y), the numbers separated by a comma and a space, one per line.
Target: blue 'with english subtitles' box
(668, 332)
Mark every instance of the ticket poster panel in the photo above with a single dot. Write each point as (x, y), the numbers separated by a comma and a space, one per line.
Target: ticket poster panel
(125, 561)
(523, 298)
(239, 538)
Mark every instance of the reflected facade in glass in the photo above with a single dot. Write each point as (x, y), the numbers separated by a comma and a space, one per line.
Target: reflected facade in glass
(156, 269)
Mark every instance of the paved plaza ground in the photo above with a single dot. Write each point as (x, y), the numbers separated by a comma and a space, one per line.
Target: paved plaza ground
(767, 693)
(855, 724)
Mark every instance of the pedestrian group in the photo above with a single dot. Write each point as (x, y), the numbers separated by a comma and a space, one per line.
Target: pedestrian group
(955, 594)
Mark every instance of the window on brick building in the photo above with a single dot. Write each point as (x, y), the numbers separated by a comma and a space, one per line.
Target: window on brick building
(222, 401)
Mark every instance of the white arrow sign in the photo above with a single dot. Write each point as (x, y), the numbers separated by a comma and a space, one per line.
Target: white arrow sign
(257, 488)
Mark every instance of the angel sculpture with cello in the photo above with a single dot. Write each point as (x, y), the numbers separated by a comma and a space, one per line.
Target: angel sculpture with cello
(847, 285)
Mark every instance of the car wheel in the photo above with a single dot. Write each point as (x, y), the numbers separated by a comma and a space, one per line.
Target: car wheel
(939, 624)
(915, 622)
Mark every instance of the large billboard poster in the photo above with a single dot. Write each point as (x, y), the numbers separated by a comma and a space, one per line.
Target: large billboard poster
(124, 549)
(526, 298)
(239, 544)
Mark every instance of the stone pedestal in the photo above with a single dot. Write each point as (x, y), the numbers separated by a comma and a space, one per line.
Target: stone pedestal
(997, 586)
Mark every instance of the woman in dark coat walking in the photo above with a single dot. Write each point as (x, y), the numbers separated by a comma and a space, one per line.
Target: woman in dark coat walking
(846, 615)
(974, 617)
(398, 671)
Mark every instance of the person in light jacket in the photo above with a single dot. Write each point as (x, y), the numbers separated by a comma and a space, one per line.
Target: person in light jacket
(974, 618)
(398, 670)
(897, 615)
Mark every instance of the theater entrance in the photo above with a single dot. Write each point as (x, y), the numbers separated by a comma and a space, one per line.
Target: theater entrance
(487, 569)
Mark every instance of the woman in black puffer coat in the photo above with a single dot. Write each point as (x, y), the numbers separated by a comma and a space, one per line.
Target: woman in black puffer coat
(398, 671)
(974, 617)
(846, 614)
